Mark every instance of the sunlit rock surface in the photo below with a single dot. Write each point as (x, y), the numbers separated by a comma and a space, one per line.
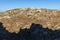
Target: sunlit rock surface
(15, 19)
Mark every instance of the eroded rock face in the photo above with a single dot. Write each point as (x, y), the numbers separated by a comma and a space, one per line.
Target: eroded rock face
(15, 19)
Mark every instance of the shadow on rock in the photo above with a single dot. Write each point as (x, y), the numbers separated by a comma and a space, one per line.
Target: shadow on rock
(36, 32)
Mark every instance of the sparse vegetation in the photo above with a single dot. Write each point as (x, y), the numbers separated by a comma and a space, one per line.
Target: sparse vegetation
(35, 32)
(26, 16)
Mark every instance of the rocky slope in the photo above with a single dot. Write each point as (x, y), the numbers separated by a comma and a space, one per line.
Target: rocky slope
(35, 32)
(15, 19)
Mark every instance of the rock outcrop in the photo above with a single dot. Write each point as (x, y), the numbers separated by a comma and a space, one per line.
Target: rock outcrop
(22, 18)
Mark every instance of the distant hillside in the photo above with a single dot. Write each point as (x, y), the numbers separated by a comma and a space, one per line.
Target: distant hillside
(15, 19)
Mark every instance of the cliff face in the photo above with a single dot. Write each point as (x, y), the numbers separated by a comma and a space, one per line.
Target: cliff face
(15, 19)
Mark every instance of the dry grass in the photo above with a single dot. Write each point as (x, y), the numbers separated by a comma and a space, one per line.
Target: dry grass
(24, 17)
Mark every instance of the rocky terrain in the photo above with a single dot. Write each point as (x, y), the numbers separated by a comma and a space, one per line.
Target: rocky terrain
(30, 24)
(22, 18)
(35, 32)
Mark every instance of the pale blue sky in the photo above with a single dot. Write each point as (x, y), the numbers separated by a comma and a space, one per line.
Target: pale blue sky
(12, 4)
